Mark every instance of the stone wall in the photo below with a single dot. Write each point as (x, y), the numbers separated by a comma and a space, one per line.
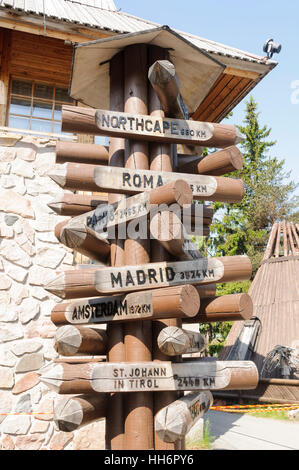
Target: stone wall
(29, 255)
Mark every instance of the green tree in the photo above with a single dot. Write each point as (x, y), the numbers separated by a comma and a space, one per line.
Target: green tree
(243, 228)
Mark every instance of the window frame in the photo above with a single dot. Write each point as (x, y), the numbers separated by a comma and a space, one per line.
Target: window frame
(53, 101)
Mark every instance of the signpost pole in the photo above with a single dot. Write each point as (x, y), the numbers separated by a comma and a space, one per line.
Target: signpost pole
(116, 346)
(161, 159)
(138, 337)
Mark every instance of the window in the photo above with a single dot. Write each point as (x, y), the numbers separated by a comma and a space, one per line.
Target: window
(36, 106)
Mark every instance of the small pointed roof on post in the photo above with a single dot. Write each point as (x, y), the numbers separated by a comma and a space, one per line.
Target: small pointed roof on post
(196, 69)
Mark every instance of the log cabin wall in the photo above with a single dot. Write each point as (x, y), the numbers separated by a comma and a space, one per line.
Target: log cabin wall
(48, 60)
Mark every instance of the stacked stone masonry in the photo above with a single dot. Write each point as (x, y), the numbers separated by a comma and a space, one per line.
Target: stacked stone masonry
(29, 255)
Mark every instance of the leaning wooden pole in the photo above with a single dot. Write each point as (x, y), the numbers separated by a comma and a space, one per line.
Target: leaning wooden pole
(116, 345)
(138, 337)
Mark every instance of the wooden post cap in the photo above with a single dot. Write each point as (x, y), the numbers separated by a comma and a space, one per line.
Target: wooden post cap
(71, 340)
(174, 341)
(70, 413)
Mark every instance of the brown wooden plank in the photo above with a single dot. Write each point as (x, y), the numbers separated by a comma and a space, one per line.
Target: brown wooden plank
(235, 92)
(150, 376)
(218, 100)
(217, 89)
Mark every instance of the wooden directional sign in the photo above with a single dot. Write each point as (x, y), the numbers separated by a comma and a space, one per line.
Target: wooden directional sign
(150, 376)
(175, 420)
(136, 181)
(139, 206)
(92, 282)
(141, 127)
(165, 82)
(130, 181)
(201, 271)
(172, 302)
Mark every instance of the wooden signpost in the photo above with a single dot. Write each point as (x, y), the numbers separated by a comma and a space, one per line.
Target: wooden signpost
(180, 302)
(150, 376)
(145, 284)
(129, 181)
(149, 276)
(174, 421)
(179, 131)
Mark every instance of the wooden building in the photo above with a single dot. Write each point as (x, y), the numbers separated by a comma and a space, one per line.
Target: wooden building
(275, 322)
(36, 41)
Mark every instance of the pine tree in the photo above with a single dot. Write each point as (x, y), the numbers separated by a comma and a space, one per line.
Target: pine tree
(243, 228)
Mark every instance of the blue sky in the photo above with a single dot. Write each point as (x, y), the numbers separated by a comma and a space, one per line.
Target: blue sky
(246, 25)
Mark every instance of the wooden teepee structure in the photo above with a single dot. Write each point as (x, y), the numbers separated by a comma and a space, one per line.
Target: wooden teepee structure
(275, 321)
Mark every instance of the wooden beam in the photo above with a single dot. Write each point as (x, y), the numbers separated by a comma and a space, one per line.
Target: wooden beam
(78, 283)
(108, 217)
(165, 130)
(174, 341)
(138, 410)
(71, 340)
(76, 204)
(175, 421)
(81, 153)
(77, 176)
(161, 158)
(166, 227)
(241, 73)
(4, 74)
(163, 78)
(215, 164)
(150, 377)
(74, 284)
(54, 30)
(206, 291)
(70, 413)
(232, 307)
(79, 120)
(75, 234)
(172, 302)
(116, 340)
